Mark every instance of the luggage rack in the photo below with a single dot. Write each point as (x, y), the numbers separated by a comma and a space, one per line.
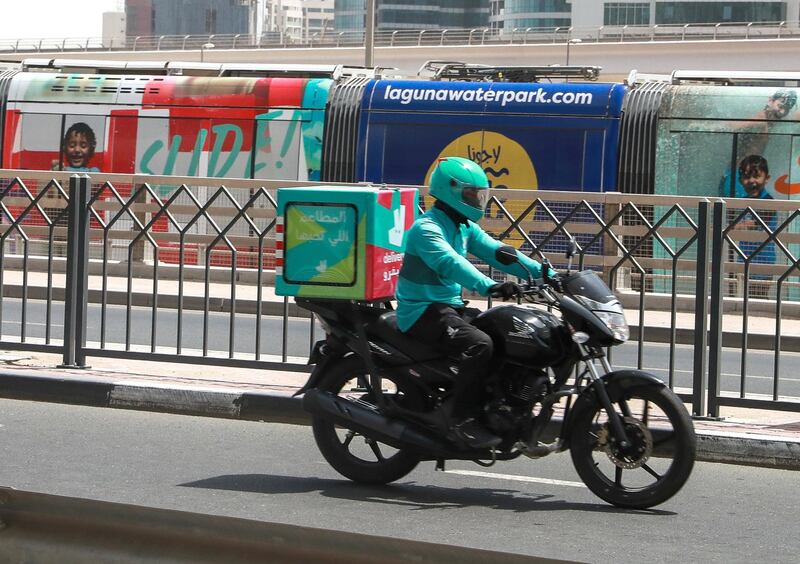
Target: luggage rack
(720, 78)
(455, 70)
(731, 78)
(193, 68)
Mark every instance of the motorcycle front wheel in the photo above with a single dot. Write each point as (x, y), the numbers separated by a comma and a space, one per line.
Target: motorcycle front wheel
(656, 463)
(353, 455)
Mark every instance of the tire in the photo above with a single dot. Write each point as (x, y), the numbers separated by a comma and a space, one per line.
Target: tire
(630, 477)
(353, 455)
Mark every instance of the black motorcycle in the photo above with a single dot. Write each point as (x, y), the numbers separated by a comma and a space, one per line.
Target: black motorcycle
(381, 401)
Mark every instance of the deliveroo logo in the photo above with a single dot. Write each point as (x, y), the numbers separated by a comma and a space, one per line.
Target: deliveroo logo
(396, 231)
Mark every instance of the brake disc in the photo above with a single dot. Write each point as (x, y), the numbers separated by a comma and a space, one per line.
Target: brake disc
(633, 456)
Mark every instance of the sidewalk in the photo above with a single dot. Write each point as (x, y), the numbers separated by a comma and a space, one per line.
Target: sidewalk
(744, 436)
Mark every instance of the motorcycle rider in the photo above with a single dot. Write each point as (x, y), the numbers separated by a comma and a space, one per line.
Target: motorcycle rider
(434, 271)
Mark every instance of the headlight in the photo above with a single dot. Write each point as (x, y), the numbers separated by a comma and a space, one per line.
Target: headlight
(610, 313)
(616, 322)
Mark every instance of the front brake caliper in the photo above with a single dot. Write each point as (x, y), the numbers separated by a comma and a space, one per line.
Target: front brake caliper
(637, 453)
(602, 437)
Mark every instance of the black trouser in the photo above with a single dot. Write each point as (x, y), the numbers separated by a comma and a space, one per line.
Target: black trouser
(445, 328)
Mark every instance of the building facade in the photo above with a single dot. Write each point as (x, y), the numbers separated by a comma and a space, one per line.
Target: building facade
(523, 14)
(114, 28)
(536, 13)
(299, 19)
(304, 19)
(350, 15)
(187, 17)
(590, 13)
(139, 17)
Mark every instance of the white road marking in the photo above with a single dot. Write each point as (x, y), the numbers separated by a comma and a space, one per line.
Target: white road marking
(548, 481)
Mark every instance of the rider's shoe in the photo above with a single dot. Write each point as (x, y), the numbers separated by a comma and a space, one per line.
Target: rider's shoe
(472, 434)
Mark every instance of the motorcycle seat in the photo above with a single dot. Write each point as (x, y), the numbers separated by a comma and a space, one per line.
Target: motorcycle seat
(386, 328)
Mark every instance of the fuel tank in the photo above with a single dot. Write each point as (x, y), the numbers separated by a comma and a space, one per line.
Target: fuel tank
(527, 335)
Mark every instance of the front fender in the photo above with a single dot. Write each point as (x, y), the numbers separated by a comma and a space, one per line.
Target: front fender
(620, 380)
(322, 355)
(616, 383)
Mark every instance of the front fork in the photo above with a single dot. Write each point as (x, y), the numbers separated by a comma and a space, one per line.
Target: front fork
(614, 419)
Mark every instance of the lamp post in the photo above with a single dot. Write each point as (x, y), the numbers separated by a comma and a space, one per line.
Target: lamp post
(253, 23)
(573, 41)
(369, 35)
(203, 47)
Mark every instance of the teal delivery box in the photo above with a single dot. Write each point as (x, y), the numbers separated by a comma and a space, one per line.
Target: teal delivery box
(341, 242)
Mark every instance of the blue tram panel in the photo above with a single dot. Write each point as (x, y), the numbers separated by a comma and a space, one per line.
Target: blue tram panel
(525, 135)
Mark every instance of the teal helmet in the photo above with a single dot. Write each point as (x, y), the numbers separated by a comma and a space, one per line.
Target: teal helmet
(461, 184)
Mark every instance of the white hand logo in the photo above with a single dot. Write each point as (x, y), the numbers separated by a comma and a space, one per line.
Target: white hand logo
(322, 266)
(396, 232)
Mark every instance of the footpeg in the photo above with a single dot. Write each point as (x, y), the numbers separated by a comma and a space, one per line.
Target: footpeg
(539, 449)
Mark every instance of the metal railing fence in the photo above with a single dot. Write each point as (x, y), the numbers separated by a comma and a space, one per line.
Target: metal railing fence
(417, 37)
(182, 269)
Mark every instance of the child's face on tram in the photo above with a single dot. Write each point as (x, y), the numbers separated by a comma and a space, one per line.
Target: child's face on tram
(753, 178)
(77, 150)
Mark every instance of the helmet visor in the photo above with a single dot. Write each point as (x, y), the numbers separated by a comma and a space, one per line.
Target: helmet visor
(475, 197)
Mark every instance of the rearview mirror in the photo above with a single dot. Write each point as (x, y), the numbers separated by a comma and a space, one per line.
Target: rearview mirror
(572, 247)
(506, 255)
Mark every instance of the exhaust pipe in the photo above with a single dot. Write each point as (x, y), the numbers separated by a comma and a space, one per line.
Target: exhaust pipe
(366, 421)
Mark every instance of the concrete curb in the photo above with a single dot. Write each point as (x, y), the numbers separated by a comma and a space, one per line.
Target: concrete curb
(748, 450)
(93, 391)
(274, 407)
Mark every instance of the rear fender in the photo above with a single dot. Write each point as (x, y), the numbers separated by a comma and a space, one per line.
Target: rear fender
(322, 355)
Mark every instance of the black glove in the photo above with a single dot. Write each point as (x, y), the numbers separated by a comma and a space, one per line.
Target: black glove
(505, 290)
(557, 284)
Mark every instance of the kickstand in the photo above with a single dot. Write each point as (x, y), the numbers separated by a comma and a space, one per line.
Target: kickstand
(440, 464)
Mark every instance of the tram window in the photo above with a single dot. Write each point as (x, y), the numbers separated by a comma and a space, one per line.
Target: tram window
(548, 158)
(706, 164)
(278, 150)
(703, 160)
(37, 143)
(513, 157)
(183, 146)
(165, 146)
(790, 187)
(121, 148)
(230, 148)
(776, 152)
(83, 143)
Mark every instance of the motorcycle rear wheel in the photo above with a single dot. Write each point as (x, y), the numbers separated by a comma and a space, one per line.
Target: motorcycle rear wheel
(659, 460)
(353, 455)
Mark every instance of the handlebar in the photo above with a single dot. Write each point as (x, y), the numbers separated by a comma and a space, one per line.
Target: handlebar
(546, 270)
(533, 291)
